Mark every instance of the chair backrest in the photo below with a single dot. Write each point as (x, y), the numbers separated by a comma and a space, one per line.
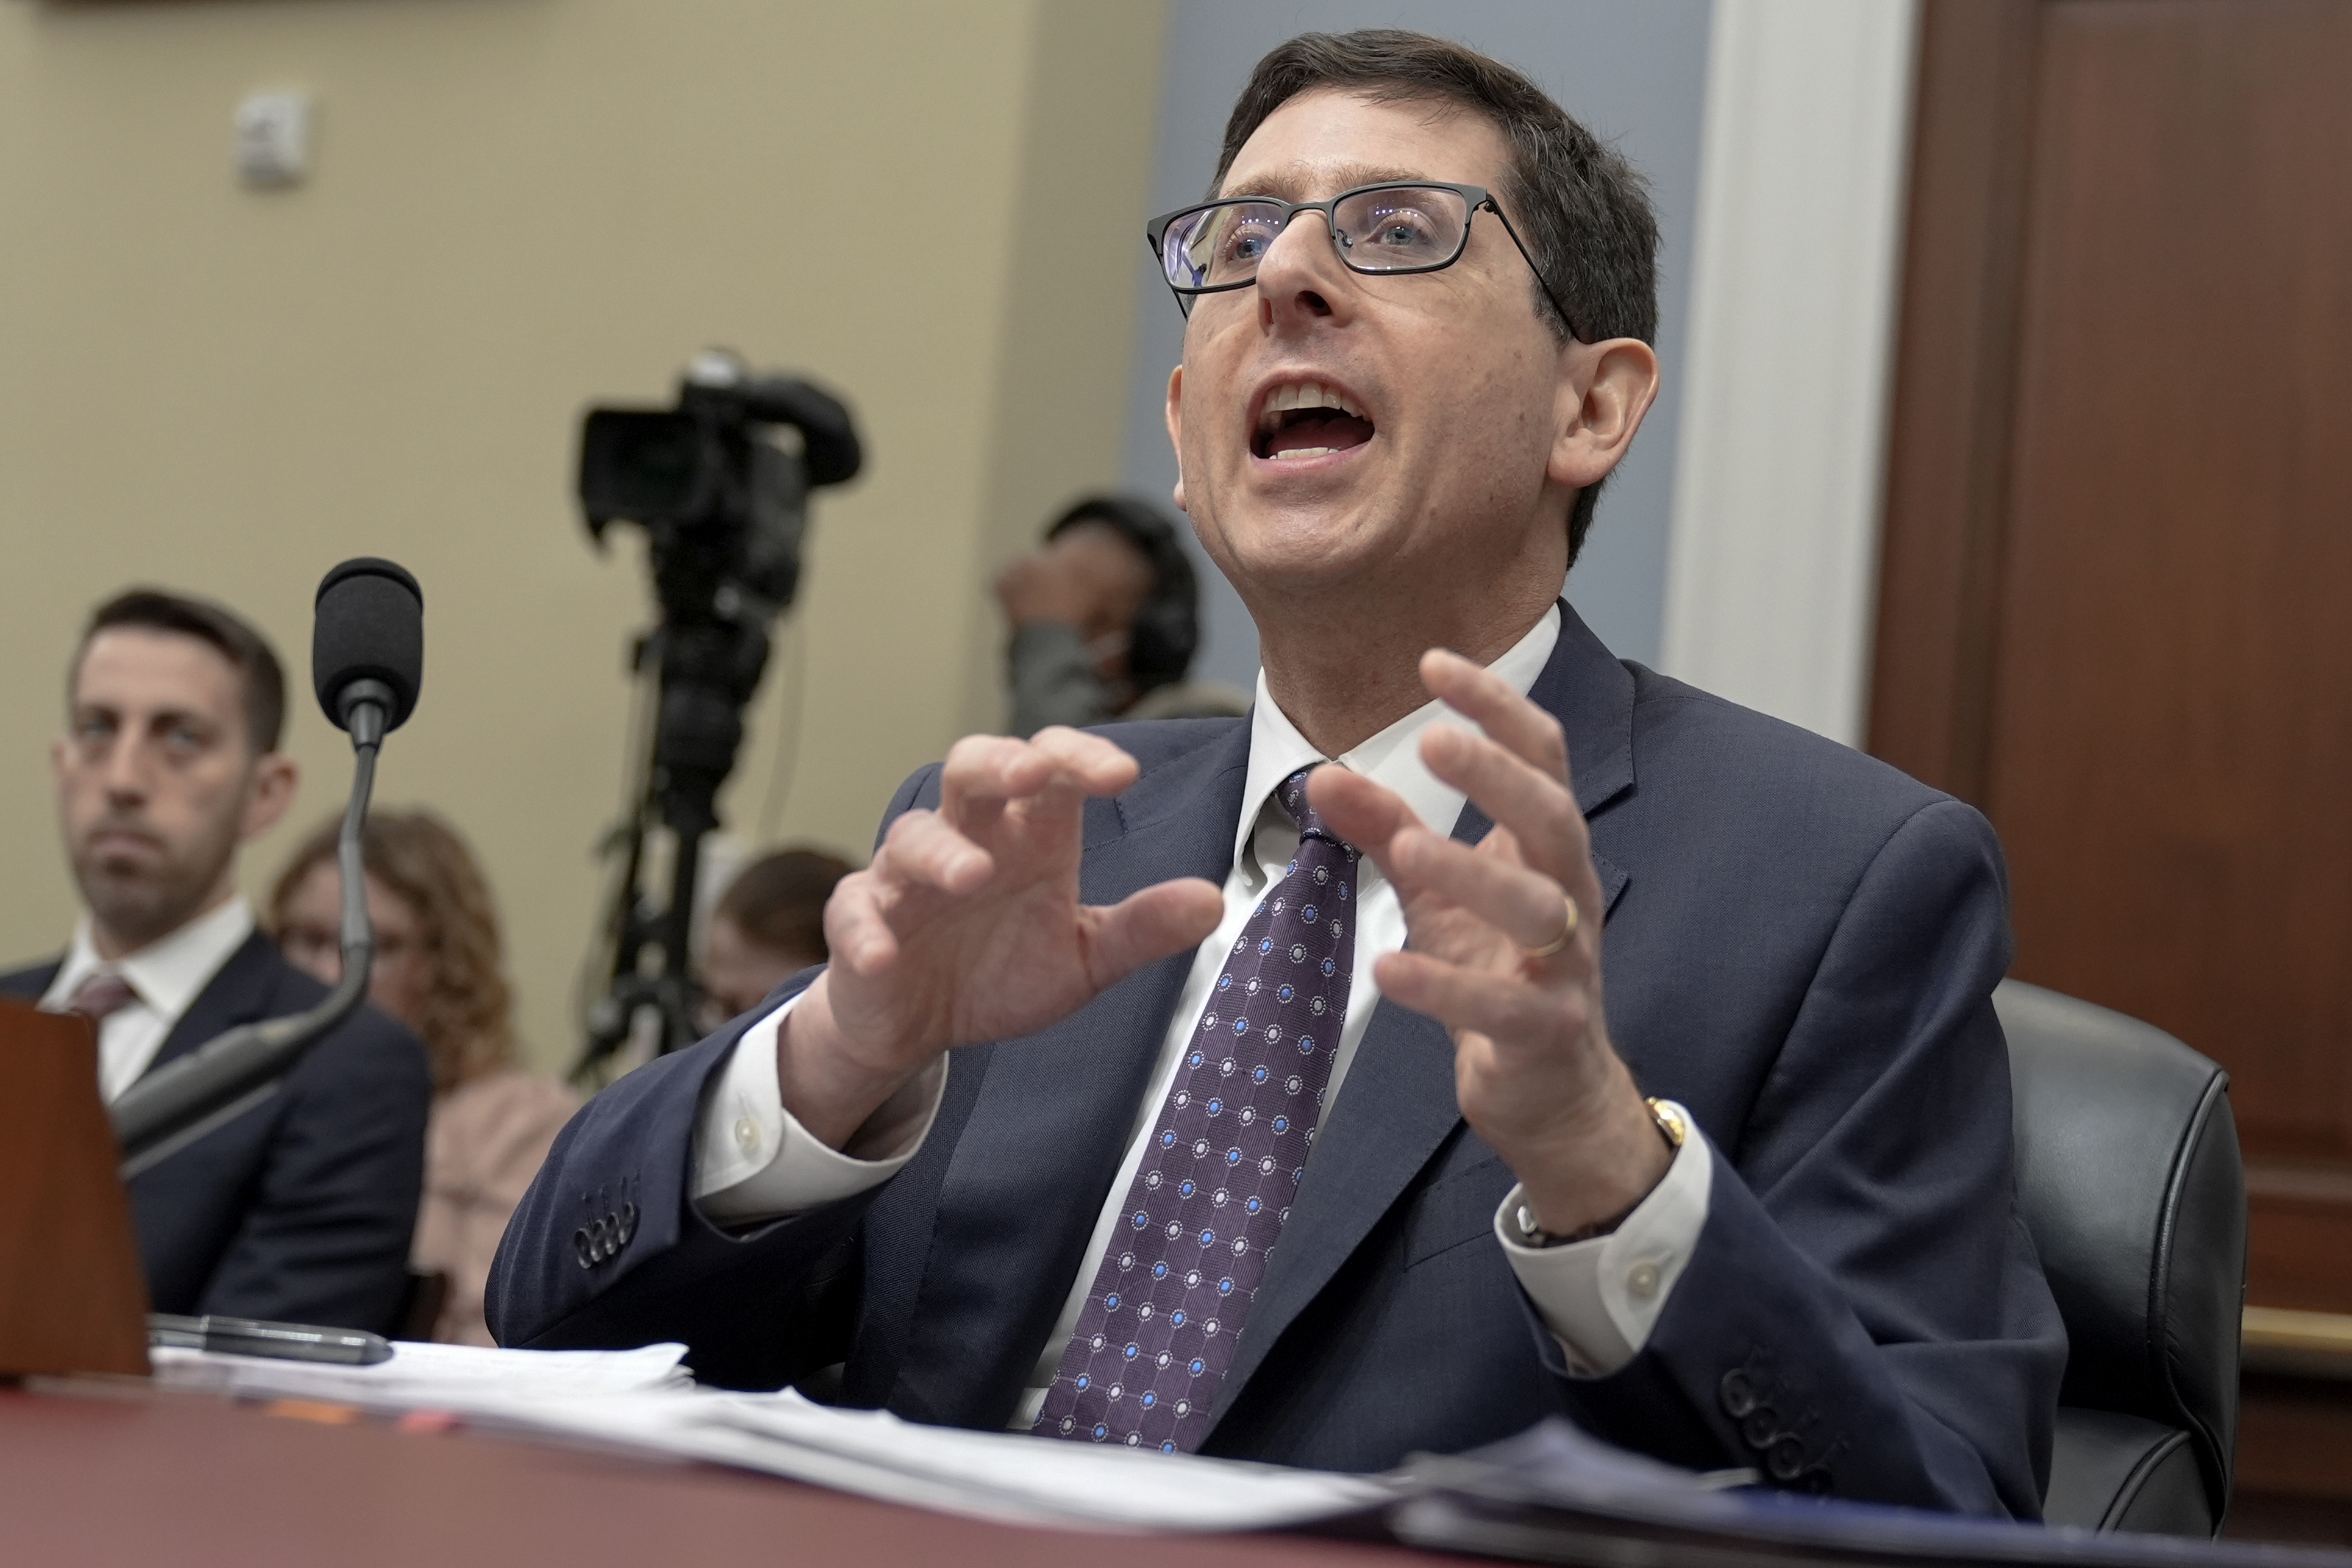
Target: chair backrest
(2130, 1180)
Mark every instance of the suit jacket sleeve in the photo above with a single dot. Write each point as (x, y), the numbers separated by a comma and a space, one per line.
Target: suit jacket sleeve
(1863, 1309)
(325, 1238)
(757, 1308)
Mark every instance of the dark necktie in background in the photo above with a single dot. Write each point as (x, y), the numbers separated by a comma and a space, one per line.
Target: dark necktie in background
(101, 995)
(1175, 1286)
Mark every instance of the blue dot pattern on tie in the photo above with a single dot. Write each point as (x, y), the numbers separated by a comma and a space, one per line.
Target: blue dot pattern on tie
(1172, 1290)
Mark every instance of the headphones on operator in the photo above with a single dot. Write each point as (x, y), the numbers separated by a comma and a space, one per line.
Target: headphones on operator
(1167, 629)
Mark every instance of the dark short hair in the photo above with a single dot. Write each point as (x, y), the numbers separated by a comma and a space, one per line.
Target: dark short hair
(1167, 630)
(1583, 210)
(246, 650)
(777, 900)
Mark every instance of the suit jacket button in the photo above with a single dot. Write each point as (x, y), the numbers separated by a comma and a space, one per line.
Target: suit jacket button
(582, 1249)
(1785, 1458)
(1739, 1394)
(616, 1235)
(1760, 1428)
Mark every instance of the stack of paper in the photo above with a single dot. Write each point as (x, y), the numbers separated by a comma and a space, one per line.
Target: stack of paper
(645, 1399)
(1004, 1476)
(431, 1377)
(1551, 1494)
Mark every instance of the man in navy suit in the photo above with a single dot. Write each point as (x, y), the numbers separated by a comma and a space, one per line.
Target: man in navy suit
(1246, 1087)
(299, 1209)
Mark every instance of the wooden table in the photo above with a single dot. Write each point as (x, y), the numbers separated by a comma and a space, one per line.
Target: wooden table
(129, 1477)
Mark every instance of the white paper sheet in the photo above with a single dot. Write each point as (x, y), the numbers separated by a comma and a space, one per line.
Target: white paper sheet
(1004, 1476)
(644, 1399)
(428, 1376)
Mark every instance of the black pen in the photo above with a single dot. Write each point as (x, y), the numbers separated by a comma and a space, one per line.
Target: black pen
(251, 1336)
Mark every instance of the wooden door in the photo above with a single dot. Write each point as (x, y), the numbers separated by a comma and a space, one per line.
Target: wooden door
(2117, 589)
(2115, 592)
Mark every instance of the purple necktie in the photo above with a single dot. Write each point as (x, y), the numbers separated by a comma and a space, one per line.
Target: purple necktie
(1168, 1298)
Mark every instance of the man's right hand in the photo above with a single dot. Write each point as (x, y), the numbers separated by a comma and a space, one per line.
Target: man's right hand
(968, 928)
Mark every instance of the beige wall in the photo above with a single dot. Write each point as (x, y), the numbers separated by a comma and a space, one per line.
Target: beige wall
(519, 206)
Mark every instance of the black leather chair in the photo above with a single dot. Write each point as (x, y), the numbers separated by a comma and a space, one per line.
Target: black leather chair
(2130, 1180)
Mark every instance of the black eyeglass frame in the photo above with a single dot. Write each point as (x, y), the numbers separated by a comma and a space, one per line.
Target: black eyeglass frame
(1155, 235)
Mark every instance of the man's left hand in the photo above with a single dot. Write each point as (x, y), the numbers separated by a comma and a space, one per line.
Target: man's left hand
(1533, 1068)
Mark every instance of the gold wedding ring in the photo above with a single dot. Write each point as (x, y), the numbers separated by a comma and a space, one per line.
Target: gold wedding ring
(1567, 933)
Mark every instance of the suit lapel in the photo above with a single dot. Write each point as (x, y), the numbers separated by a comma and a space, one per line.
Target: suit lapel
(1054, 1114)
(238, 993)
(31, 985)
(1398, 1104)
(1591, 694)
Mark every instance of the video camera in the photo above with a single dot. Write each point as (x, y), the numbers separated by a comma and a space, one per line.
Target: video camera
(721, 485)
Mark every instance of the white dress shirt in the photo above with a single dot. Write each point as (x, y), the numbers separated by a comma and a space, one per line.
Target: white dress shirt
(165, 978)
(1600, 1298)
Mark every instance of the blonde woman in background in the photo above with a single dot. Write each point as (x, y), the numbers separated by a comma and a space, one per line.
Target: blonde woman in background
(438, 968)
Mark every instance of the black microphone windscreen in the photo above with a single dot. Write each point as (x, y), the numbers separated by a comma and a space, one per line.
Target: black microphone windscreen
(369, 623)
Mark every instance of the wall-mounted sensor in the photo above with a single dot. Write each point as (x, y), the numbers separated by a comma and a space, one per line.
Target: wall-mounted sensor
(273, 138)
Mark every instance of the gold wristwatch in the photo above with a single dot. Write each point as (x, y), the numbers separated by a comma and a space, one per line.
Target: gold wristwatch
(1673, 1125)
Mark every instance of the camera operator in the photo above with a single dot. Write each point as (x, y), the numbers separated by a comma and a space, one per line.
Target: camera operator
(1106, 619)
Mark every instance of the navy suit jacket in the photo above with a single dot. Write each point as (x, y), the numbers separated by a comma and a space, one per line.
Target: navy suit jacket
(300, 1209)
(1801, 946)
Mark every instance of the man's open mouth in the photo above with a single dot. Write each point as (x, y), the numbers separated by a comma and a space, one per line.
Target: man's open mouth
(1308, 420)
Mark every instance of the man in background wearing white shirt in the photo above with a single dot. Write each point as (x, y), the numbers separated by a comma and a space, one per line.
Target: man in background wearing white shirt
(300, 1209)
(1245, 1087)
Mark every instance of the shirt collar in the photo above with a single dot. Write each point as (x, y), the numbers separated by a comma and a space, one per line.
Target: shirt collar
(1393, 757)
(169, 974)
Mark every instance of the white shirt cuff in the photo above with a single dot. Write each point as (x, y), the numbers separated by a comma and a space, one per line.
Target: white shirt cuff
(1602, 1298)
(753, 1162)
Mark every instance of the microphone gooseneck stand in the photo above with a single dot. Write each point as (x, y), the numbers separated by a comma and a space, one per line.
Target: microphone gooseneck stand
(181, 1101)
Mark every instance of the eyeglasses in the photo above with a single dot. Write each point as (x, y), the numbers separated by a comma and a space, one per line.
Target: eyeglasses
(1404, 226)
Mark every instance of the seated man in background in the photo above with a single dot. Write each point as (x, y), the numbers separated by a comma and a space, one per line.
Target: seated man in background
(767, 927)
(300, 1208)
(1106, 619)
(1126, 1113)
(440, 969)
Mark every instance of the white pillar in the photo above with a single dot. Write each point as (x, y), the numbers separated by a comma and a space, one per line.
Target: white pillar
(1772, 571)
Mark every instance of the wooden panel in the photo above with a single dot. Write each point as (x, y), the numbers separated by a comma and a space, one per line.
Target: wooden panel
(1948, 455)
(2293, 1434)
(2117, 574)
(2117, 561)
(2282, 1517)
(2299, 1241)
(71, 1296)
(2171, 760)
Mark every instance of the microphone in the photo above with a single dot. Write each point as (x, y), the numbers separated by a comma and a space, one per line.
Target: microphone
(367, 646)
(367, 663)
